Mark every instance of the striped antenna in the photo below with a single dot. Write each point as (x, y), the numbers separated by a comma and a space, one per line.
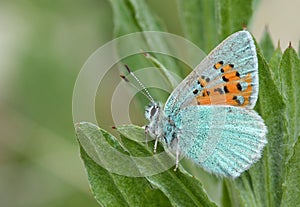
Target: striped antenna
(142, 88)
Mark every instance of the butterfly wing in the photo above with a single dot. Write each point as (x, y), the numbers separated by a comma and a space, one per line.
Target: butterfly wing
(227, 76)
(209, 111)
(224, 140)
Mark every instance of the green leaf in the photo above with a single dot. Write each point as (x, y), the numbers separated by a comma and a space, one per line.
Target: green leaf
(111, 189)
(117, 190)
(199, 23)
(126, 23)
(290, 86)
(232, 15)
(266, 45)
(261, 185)
(274, 64)
(291, 184)
(225, 199)
(147, 21)
(135, 16)
(241, 193)
(181, 188)
(267, 175)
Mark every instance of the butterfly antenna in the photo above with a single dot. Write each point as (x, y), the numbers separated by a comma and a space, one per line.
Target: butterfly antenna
(126, 80)
(142, 87)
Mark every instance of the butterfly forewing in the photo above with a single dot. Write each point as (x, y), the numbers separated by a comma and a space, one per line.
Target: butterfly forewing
(227, 76)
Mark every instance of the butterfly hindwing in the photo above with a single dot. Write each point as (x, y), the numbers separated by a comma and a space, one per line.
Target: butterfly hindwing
(224, 140)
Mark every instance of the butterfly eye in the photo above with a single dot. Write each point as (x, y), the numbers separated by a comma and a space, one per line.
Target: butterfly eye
(154, 110)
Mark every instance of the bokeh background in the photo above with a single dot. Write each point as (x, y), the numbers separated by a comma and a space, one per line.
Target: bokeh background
(43, 45)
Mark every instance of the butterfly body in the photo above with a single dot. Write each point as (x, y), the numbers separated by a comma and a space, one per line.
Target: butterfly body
(209, 117)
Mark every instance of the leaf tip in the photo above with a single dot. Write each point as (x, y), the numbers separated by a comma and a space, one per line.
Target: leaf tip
(278, 43)
(267, 27)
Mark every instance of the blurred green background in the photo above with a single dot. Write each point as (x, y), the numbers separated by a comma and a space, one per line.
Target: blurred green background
(43, 45)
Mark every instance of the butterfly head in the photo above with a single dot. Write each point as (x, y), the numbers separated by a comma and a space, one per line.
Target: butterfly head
(153, 110)
(154, 114)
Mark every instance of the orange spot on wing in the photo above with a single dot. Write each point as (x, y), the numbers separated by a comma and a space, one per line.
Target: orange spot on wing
(204, 100)
(231, 76)
(227, 68)
(232, 88)
(202, 82)
(218, 65)
(213, 96)
(224, 99)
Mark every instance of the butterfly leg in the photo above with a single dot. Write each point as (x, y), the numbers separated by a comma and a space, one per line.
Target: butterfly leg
(155, 144)
(146, 134)
(177, 154)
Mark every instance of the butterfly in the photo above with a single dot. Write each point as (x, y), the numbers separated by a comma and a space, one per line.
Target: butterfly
(209, 117)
